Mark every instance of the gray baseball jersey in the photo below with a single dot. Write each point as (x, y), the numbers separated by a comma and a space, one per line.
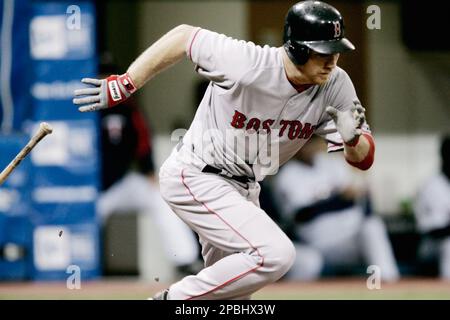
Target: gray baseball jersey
(251, 114)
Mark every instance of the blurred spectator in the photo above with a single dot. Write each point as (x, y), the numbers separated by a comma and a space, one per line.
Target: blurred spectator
(330, 216)
(432, 211)
(129, 182)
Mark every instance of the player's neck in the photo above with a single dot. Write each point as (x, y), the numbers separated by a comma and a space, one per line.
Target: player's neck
(300, 87)
(294, 76)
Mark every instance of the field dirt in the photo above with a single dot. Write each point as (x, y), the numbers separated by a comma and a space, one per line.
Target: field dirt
(135, 289)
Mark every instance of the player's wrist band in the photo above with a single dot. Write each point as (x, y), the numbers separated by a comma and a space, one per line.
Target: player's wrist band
(367, 162)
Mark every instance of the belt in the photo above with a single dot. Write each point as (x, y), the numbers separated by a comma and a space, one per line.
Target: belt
(242, 179)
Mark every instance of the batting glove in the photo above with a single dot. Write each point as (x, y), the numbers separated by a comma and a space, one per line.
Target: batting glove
(349, 122)
(106, 93)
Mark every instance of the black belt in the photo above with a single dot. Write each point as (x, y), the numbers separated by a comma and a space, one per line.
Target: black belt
(242, 179)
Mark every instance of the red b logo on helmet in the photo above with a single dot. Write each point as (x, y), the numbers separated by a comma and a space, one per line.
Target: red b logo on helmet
(337, 29)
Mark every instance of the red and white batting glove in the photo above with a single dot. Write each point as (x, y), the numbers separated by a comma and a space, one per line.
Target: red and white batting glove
(106, 93)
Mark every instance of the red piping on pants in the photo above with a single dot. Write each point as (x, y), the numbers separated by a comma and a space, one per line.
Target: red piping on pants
(240, 235)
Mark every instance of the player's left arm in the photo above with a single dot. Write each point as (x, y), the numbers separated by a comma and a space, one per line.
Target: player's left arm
(361, 155)
(359, 145)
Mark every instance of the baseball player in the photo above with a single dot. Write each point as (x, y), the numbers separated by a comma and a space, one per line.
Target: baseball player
(261, 106)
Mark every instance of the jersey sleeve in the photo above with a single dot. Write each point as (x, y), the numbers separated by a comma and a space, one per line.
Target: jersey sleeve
(341, 94)
(219, 58)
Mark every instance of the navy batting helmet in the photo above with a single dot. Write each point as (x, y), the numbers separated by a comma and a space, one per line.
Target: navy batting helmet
(314, 25)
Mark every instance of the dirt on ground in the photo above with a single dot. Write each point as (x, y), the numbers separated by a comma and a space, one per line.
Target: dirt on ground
(135, 289)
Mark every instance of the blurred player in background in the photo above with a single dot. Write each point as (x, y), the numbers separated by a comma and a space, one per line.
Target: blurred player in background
(327, 207)
(432, 211)
(258, 98)
(128, 178)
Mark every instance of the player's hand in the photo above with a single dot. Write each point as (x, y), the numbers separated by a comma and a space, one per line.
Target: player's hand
(349, 123)
(105, 93)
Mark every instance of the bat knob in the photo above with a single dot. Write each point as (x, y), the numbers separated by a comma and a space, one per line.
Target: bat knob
(44, 126)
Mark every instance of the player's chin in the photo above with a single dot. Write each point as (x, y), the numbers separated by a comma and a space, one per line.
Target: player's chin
(321, 78)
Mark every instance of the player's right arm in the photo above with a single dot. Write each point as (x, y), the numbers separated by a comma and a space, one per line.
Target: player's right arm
(115, 89)
(164, 53)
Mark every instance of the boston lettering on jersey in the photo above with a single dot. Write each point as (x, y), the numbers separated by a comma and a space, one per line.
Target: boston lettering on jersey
(293, 128)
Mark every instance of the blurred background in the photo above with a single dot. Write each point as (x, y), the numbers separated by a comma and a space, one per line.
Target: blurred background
(57, 208)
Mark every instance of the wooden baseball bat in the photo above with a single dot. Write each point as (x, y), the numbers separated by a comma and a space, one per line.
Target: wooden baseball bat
(44, 129)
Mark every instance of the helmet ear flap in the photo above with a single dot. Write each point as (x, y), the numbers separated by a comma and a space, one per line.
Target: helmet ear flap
(298, 53)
